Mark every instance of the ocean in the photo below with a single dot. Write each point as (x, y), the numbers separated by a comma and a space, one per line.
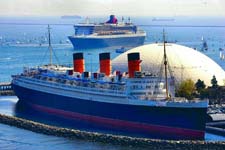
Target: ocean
(23, 42)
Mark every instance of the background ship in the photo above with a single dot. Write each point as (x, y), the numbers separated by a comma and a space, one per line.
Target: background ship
(133, 103)
(204, 45)
(108, 34)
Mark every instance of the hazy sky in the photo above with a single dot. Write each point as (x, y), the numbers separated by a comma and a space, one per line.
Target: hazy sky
(117, 7)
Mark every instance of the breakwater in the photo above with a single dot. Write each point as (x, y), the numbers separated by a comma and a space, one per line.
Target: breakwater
(108, 138)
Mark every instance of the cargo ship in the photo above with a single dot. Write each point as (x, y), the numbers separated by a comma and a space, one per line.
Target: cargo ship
(133, 103)
(109, 34)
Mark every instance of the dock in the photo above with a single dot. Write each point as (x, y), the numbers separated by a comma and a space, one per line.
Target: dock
(6, 88)
(217, 127)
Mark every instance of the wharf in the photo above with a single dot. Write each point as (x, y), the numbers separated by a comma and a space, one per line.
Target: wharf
(217, 127)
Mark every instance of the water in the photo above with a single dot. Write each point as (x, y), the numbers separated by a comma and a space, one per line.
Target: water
(20, 46)
(10, 139)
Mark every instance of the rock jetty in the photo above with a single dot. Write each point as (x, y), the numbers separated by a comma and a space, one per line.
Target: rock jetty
(152, 144)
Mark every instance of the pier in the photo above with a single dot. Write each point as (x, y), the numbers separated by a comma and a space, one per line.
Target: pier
(6, 88)
(217, 127)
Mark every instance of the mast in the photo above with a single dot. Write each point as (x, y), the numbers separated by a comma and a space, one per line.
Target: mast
(49, 45)
(165, 65)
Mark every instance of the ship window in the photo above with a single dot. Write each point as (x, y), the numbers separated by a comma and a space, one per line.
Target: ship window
(138, 93)
(150, 81)
(157, 92)
(134, 87)
(148, 87)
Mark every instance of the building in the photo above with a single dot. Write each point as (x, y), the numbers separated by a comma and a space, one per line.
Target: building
(184, 63)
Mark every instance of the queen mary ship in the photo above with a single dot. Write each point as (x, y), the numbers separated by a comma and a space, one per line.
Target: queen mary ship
(133, 103)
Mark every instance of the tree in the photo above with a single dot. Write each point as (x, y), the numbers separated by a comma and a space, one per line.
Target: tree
(186, 89)
(214, 82)
(200, 85)
(202, 92)
(213, 90)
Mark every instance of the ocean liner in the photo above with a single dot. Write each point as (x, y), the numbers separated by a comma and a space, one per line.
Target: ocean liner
(109, 34)
(133, 103)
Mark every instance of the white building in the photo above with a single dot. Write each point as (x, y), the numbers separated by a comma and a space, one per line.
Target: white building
(184, 62)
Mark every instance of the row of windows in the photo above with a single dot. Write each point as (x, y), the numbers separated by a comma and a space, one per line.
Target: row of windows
(147, 87)
(146, 93)
(151, 81)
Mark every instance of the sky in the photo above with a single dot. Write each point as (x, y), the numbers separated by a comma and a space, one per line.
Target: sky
(117, 7)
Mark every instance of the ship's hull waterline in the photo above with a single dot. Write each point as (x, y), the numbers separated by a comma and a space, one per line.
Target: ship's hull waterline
(92, 43)
(134, 120)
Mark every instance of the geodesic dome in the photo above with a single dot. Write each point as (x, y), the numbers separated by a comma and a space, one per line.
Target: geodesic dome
(184, 62)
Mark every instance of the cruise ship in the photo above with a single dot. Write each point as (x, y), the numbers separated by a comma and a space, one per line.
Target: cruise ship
(133, 103)
(109, 34)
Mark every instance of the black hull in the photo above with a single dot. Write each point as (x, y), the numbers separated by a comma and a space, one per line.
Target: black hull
(134, 120)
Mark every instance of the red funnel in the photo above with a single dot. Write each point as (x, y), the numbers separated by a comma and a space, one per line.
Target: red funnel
(133, 64)
(105, 63)
(78, 62)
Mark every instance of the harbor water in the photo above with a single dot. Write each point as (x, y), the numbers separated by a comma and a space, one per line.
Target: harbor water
(23, 43)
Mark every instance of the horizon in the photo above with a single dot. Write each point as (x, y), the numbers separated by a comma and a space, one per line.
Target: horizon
(100, 16)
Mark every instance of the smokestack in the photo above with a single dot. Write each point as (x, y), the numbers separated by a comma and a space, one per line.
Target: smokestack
(133, 64)
(78, 62)
(105, 63)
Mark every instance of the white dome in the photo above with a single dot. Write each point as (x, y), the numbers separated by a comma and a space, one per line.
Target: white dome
(184, 62)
